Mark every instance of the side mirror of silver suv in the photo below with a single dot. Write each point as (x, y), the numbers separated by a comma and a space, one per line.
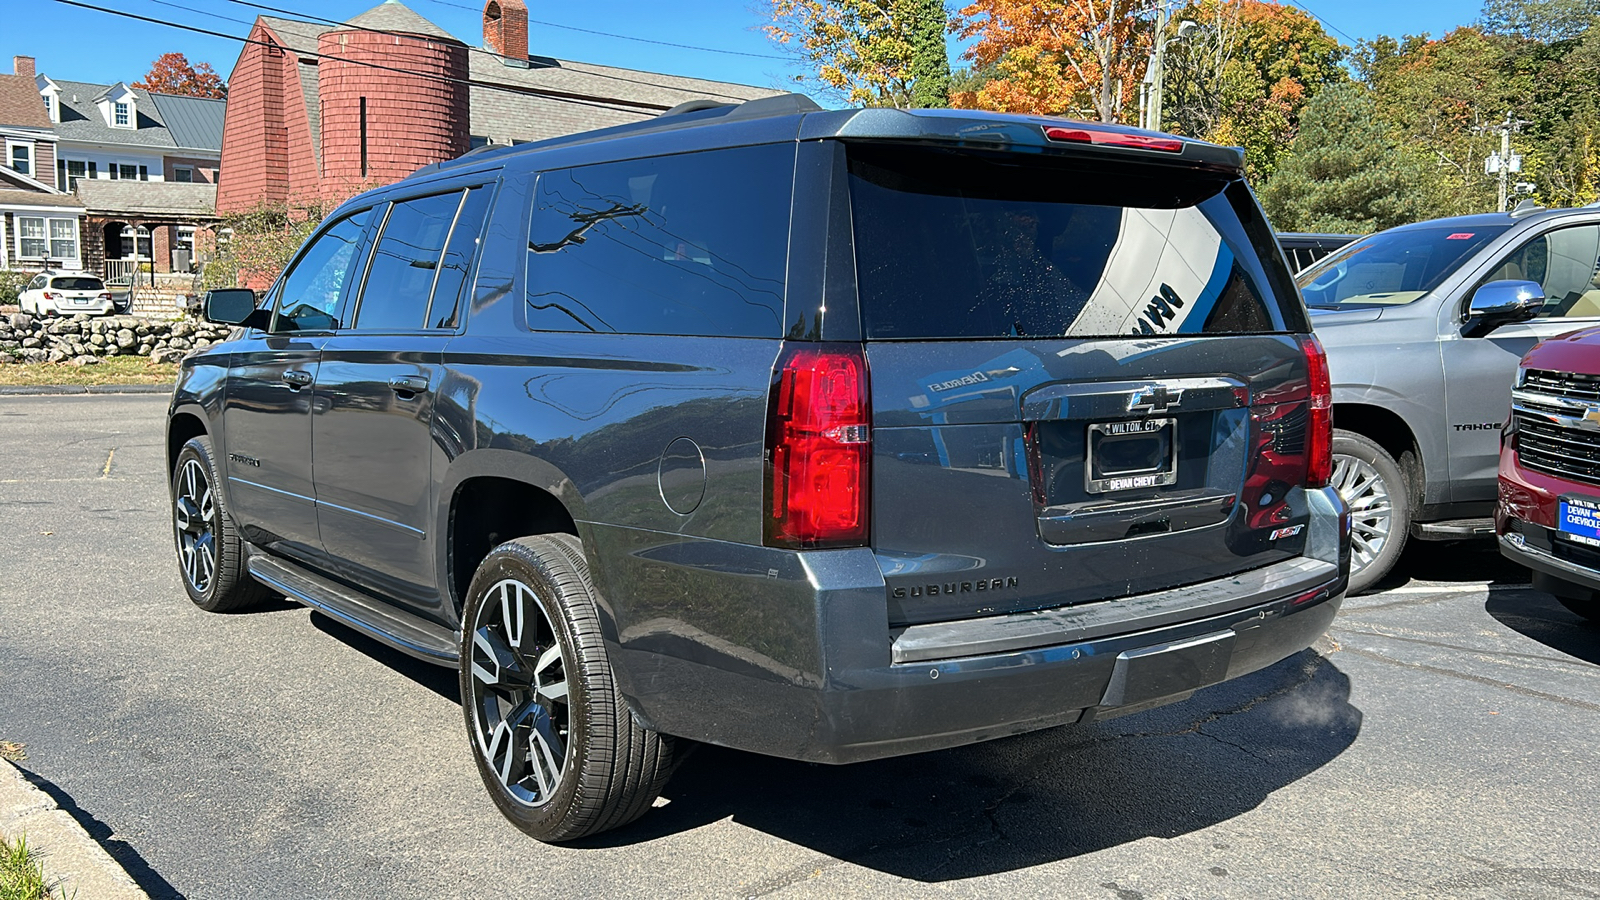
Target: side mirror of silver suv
(1502, 302)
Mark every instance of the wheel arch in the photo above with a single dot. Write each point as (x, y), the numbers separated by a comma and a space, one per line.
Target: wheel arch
(493, 496)
(1388, 430)
(182, 426)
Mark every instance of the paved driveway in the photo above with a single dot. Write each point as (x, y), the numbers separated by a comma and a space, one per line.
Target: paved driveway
(1443, 741)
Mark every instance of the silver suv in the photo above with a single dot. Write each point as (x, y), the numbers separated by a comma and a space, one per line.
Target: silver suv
(1424, 325)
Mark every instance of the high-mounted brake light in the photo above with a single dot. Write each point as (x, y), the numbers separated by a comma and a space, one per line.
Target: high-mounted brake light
(1319, 437)
(819, 447)
(1114, 139)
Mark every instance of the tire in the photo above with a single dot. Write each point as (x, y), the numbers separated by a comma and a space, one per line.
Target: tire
(554, 742)
(1372, 485)
(211, 558)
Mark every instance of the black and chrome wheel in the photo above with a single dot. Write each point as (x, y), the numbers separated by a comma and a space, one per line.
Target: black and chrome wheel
(554, 741)
(1374, 488)
(210, 554)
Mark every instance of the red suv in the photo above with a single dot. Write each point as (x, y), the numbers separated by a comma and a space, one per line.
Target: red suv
(1548, 517)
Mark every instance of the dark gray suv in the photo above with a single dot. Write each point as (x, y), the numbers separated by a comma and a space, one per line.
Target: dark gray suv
(827, 435)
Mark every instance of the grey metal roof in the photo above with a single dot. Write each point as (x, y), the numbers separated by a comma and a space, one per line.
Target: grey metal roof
(81, 121)
(169, 198)
(193, 122)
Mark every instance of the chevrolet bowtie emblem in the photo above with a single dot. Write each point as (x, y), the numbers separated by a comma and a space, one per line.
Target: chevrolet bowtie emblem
(1153, 399)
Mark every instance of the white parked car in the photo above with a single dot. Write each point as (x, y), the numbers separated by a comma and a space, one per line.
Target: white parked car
(66, 293)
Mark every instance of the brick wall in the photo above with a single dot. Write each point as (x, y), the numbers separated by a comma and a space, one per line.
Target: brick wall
(255, 144)
(411, 121)
(205, 170)
(505, 28)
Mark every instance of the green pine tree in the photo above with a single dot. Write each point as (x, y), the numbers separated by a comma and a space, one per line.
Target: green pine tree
(930, 65)
(1346, 173)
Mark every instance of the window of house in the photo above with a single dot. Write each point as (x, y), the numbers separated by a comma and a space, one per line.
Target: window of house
(186, 238)
(127, 172)
(71, 171)
(135, 242)
(183, 174)
(120, 115)
(694, 244)
(63, 238)
(22, 158)
(31, 242)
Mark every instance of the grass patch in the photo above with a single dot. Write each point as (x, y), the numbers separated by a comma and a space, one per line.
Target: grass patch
(13, 751)
(111, 370)
(20, 875)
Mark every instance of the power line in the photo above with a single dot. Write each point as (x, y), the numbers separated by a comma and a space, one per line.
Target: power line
(559, 96)
(314, 18)
(622, 37)
(1336, 28)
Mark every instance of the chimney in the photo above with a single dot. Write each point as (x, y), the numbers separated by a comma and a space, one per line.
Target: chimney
(23, 65)
(505, 30)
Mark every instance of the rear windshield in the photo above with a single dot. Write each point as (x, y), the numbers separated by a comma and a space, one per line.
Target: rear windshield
(1392, 267)
(78, 283)
(956, 244)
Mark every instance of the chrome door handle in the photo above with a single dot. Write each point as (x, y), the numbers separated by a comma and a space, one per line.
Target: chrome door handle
(296, 378)
(408, 384)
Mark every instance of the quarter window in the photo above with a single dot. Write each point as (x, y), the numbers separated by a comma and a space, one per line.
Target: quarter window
(1566, 263)
(694, 244)
(310, 293)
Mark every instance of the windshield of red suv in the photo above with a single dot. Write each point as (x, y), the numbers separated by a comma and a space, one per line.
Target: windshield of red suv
(1392, 267)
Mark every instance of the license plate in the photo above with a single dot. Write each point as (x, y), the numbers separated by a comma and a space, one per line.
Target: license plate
(1579, 519)
(1125, 456)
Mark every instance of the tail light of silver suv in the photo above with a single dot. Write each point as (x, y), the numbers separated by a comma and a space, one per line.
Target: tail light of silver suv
(819, 448)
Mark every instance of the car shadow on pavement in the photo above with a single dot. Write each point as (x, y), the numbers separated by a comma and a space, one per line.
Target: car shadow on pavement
(1452, 561)
(1037, 798)
(1537, 615)
(148, 879)
(440, 680)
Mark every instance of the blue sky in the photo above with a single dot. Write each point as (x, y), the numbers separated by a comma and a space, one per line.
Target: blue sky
(84, 45)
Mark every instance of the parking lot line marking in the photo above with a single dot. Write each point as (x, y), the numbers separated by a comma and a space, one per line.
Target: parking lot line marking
(106, 472)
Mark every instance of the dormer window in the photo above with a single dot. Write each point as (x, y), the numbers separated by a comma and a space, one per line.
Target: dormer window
(121, 118)
(51, 96)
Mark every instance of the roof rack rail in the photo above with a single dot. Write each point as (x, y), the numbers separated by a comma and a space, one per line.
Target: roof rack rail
(689, 106)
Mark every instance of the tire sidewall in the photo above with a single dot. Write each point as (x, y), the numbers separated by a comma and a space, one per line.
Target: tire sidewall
(1358, 446)
(519, 563)
(198, 449)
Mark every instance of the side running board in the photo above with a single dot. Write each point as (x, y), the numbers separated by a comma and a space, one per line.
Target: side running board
(420, 638)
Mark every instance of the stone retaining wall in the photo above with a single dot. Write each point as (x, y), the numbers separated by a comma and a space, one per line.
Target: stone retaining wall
(84, 340)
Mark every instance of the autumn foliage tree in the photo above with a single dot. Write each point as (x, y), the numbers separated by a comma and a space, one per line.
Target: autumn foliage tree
(172, 74)
(1057, 57)
(867, 52)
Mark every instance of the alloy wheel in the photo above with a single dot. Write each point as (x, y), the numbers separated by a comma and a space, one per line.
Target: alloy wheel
(521, 714)
(194, 513)
(1371, 510)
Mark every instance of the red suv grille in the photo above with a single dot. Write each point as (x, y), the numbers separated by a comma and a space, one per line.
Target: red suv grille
(1554, 449)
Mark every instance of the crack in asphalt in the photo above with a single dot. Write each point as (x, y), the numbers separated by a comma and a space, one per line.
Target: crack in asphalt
(1477, 679)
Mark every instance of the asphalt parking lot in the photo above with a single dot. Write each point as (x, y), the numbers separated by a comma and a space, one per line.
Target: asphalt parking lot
(1442, 741)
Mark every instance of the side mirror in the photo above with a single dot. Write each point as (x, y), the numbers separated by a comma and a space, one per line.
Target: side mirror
(234, 306)
(1501, 303)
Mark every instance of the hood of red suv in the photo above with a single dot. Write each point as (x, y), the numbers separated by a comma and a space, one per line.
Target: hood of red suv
(1577, 352)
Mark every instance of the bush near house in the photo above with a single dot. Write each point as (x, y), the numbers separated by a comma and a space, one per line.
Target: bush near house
(11, 283)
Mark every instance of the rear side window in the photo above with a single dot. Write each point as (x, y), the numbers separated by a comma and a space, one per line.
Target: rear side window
(406, 263)
(971, 245)
(694, 244)
(78, 283)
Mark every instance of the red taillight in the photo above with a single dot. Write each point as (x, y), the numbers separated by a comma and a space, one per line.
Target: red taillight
(819, 447)
(49, 296)
(1114, 139)
(1319, 436)
(105, 296)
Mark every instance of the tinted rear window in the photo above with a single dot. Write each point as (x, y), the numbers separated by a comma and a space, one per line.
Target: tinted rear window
(968, 245)
(77, 284)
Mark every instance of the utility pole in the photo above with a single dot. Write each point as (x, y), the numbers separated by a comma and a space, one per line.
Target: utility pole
(1156, 75)
(1504, 163)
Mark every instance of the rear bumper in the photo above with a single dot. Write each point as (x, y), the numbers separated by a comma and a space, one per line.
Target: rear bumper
(863, 692)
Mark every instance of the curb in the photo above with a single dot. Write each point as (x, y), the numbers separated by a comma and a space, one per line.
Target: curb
(74, 865)
(17, 390)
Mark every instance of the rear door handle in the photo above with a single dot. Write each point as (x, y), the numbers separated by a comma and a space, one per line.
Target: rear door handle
(296, 378)
(408, 384)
